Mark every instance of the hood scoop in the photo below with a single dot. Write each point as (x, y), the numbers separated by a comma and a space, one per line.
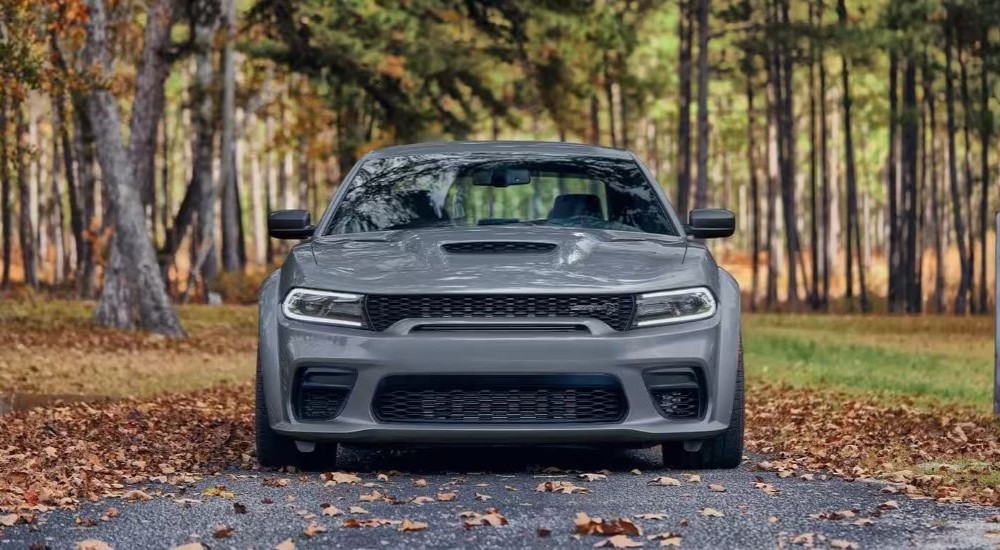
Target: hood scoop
(498, 247)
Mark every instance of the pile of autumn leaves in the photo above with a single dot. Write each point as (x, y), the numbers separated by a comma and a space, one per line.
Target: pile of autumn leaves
(62, 455)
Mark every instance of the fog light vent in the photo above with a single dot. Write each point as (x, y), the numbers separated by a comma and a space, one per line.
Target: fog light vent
(678, 403)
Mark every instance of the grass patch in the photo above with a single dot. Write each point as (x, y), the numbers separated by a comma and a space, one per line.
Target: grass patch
(928, 359)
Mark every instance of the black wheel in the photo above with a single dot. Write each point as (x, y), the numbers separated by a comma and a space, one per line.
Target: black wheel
(275, 450)
(722, 451)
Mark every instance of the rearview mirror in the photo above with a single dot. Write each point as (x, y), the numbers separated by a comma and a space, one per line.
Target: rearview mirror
(711, 223)
(290, 224)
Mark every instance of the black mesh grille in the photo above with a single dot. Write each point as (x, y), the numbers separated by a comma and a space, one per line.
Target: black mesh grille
(678, 403)
(384, 310)
(497, 247)
(500, 399)
(316, 403)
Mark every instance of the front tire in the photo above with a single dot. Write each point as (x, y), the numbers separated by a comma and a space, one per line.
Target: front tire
(276, 451)
(724, 451)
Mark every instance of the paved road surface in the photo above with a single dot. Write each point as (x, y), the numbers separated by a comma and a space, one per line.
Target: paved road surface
(509, 477)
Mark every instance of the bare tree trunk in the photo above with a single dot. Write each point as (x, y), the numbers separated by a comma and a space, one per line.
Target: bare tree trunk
(144, 290)
(595, 120)
(970, 182)
(814, 300)
(851, 177)
(936, 227)
(25, 230)
(985, 134)
(83, 145)
(748, 70)
(231, 218)
(701, 187)
(55, 208)
(894, 253)
(910, 297)
(961, 298)
(773, 181)
(5, 206)
(825, 177)
(609, 94)
(685, 34)
(206, 19)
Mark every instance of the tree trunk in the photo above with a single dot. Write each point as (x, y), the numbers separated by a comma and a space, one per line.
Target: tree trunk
(206, 19)
(909, 298)
(773, 181)
(609, 94)
(851, 175)
(684, 31)
(5, 205)
(970, 182)
(825, 174)
(231, 218)
(701, 187)
(814, 301)
(985, 134)
(25, 229)
(935, 226)
(754, 184)
(143, 289)
(894, 290)
(961, 304)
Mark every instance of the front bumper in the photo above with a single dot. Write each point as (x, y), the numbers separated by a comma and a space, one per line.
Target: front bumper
(709, 346)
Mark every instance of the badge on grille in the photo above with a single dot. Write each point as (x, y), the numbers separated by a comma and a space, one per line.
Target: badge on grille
(607, 308)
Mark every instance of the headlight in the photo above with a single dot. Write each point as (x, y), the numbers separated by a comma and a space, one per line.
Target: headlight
(321, 306)
(674, 306)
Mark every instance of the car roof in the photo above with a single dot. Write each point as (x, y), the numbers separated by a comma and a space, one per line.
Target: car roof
(509, 147)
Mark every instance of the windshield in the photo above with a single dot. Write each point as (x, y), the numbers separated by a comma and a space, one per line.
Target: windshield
(421, 191)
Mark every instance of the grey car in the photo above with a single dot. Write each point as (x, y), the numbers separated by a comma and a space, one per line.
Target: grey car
(500, 293)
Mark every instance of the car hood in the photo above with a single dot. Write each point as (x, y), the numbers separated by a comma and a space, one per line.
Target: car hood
(419, 261)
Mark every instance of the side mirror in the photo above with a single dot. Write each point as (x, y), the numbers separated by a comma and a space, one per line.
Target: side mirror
(290, 224)
(711, 223)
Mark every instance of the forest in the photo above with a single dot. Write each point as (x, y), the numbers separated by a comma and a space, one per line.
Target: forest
(142, 142)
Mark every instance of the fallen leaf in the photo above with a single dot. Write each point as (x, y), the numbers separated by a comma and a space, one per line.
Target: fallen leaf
(422, 500)
(564, 487)
(334, 478)
(218, 491)
(665, 481)
(408, 526)
(652, 516)
(312, 530)
(618, 541)
(694, 478)
(286, 544)
(586, 525)
(769, 489)
(593, 477)
(371, 497)
(446, 497)
(993, 519)
(889, 505)
(667, 539)
(357, 510)
(239, 508)
(222, 532)
(136, 495)
(772, 519)
(490, 517)
(275, 482)
(93, 544)
(711, 513)
(804, 539)
(635, 472)
(420, 483)
(189, 546)
(382, 477)
(543, 532)
(715, 487)
(8, 520)
(481, 496)
(841, 544)
(861, 522)
(330, 510)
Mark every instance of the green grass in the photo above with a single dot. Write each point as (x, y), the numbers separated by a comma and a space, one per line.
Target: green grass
(931, 359)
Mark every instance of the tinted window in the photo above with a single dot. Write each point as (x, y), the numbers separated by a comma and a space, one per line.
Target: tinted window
(420, 191)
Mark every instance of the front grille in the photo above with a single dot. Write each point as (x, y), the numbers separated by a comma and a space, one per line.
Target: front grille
(678, 403)
(384, 310)
(520, 399)
(497, 247)
(316, 403)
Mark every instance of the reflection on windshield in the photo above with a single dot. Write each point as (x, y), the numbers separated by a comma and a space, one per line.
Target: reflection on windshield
(422, 191)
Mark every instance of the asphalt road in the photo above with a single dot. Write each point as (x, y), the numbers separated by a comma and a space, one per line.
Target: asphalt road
(752, 517)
